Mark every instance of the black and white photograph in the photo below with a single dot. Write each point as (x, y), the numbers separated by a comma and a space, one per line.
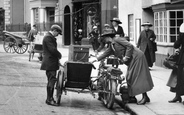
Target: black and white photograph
(91, 57)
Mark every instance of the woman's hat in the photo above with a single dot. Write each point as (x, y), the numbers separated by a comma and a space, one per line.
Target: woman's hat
(108, 32)
(94, 27)
(116, 20)
(106, 25)
(182, 28)
(147, 24)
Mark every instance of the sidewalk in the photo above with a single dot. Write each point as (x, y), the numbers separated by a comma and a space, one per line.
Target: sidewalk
(159, 96)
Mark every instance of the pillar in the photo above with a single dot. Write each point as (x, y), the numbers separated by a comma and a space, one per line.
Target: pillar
(32, 17)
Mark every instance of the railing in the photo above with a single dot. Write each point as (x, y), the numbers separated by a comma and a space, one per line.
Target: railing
(26, 27)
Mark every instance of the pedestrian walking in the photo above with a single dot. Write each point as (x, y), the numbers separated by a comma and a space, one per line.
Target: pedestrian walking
(179, 89)
(94, 38)
(31, 36)
(146, 43)
(117, 28)
(138, 75)
(50, 62)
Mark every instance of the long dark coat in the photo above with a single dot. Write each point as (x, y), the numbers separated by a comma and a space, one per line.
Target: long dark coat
(119, 31)
(145, 42)
(51, 55)
(180, 72)
(138, 76)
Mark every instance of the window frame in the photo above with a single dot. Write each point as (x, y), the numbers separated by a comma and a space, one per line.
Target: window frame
(167, 42)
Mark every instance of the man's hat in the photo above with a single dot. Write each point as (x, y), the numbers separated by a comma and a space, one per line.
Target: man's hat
(116, 20)
(147, 24)
(57, 28)
(108, 32)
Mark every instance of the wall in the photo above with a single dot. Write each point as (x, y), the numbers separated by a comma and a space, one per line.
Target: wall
(17, 11)
(27, 12)
(109, 9)
(127, 7)
(1, 3)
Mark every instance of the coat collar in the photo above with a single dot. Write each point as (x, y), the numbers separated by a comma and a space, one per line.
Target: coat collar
(50, 34)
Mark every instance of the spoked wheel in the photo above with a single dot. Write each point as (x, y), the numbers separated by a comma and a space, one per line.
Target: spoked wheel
(109, 97)
(59, 86)
(20, 48)
(9, 44)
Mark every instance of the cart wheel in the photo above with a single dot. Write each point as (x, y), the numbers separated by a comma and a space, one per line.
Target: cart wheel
(59, 86)
(8, 45)
(20, 48)
(110, 97)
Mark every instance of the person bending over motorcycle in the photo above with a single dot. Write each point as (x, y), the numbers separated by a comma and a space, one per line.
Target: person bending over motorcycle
(138, 75)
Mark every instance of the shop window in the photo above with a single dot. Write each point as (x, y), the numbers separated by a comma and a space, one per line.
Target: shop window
(166, 25)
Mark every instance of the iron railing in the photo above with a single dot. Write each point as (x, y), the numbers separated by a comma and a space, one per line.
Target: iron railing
(45, 26)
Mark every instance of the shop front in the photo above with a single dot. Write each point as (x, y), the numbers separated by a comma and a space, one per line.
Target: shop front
(80, 16)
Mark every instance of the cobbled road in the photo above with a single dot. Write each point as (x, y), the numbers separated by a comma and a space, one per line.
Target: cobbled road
(23, 91)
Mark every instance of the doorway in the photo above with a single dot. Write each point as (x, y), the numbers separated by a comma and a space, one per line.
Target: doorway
(67, 26)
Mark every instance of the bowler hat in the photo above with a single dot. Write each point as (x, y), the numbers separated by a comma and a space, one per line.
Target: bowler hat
(147, 24)
(108, 32)
(116, 20)
(57, 28)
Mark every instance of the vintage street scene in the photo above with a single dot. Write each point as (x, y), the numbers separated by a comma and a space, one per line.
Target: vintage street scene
(86, 57)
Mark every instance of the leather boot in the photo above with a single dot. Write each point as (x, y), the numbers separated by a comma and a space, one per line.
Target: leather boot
(176, 98)
(48, 94)
(50, 99)
(132, 99)
(144, 99)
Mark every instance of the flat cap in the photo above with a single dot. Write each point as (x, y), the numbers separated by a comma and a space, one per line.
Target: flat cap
(57, 28)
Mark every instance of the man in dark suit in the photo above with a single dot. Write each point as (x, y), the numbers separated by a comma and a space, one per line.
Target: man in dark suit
(117, 29)
(50, 61)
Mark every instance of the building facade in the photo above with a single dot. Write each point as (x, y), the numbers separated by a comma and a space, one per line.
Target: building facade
(165, 15)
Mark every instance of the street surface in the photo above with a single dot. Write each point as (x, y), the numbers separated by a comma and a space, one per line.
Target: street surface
(23, 91)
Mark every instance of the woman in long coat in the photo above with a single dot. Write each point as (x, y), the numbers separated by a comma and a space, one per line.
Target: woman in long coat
(145, 43)
(138, 76)
(180, 71)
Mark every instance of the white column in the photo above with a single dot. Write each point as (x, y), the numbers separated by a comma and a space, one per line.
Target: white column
(42, 14)
(56, 17)
(32, 17)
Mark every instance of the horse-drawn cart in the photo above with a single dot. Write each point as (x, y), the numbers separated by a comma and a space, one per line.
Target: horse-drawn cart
(14, 43)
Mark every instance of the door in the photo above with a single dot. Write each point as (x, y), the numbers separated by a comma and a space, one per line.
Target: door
(67, 32)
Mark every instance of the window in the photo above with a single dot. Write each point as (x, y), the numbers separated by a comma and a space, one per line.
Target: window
(161, 26)
(167, 24)
(175, 20)
(130, 26)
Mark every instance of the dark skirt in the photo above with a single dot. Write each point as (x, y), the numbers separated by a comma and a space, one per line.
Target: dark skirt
(180, 80)
(172, 81)
(138, 75)
(148, 57)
